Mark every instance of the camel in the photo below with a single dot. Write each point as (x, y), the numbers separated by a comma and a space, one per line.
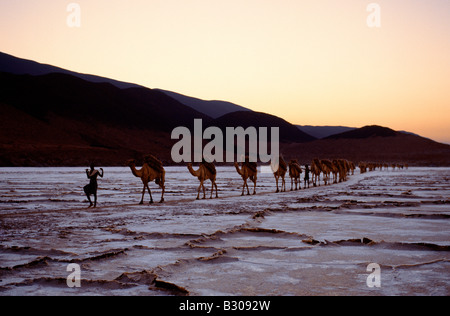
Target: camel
(281, 173)
(327, 169)
(343, 168)
(206, 171)
(294, 172)
(248, 171)
(152, 170)
(316, 169)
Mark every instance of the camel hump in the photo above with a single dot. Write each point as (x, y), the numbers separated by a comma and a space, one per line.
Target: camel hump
(210, 167)
(295, 166)
(253, 166)
(154, 163)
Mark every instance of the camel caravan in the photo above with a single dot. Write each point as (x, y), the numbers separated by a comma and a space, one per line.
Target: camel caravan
(332, 171)
(372, 166)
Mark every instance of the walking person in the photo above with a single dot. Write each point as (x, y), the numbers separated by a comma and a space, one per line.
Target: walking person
(307, 171)
(91, 188)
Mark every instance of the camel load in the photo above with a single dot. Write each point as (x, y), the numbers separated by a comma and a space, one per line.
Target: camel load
(154, 163)
(210, 167)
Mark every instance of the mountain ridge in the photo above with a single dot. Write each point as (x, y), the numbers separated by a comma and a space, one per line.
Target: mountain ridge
(21, 66)
(212, 108)
(62, 119)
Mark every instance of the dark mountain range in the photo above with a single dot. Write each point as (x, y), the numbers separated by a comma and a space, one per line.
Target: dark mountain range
(59, 119)
(53, 117)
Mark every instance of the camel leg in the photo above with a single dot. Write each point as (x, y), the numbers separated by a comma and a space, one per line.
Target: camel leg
(204, 190)
(198, 191)
(254, 187)
(163, 188)
(217, 194)
(276, 179)
(212, 189)
(142, 199)
(150, 192)
(283, 185)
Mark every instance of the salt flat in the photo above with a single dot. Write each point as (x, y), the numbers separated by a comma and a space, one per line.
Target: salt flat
(316, 241)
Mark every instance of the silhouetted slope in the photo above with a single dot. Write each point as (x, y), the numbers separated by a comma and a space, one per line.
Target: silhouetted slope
(323, 131)
(214, 109)
(288, 132)
(20, 66)
(68, 96)
(366, 132)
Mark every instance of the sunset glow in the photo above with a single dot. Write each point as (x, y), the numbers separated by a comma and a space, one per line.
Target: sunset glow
(310, 62)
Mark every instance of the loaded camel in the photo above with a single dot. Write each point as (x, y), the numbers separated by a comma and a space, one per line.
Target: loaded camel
(248, 171)
(152, 170)
(206, 171)
(316, 170)
(327, 169)
(281, 173)
(294, 172)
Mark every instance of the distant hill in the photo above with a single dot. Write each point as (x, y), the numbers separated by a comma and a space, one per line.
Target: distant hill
(19, 66)
(324, 131)
(214, 109)
(288, 132)
(365, 132)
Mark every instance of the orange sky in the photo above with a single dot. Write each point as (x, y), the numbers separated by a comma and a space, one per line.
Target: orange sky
(311, 62)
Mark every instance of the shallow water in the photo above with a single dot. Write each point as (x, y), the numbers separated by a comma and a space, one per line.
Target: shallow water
(317, 241)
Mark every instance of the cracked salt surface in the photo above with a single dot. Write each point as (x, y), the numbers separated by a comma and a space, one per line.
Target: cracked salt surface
(317, 241)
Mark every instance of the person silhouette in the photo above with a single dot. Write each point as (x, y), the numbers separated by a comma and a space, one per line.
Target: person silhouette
(307, 175)
(91, 188)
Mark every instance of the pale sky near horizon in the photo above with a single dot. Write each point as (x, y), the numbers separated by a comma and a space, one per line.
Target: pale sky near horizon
(311, 62)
